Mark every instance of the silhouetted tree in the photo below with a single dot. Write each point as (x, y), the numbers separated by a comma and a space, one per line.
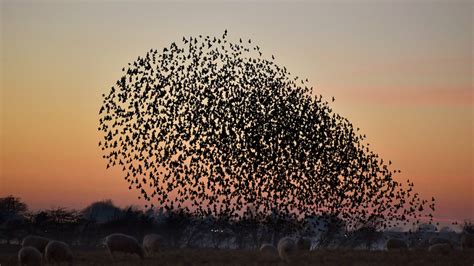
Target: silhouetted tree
(58, 223)
(213, 125)
(13, 221)
(102, 211)
(11, 207)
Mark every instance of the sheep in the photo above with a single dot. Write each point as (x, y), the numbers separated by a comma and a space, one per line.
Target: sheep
(57, 251)
(37, 242)
(123, 243)
(438, 240)
(152, 243)
(286, 248)
(268, 250)
(467, 241)
(29, 256)
(442, 248)
(395, 244)
(303, 244)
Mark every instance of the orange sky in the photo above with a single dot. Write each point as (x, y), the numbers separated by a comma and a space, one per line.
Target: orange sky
(401, 72)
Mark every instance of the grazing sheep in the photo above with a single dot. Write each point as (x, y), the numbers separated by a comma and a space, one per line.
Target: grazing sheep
(152, 243)
(37, 242)
(395, 244)
(57, 252)
(303, 244)
(286, 248)
(442, 248)
(123, 243)
(467, 241)
(268, 250)
(438, 240)
(29, 256)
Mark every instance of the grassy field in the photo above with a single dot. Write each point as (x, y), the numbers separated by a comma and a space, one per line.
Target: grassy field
(209, 257)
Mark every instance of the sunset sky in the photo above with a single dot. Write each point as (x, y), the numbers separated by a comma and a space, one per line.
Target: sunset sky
(400, 70)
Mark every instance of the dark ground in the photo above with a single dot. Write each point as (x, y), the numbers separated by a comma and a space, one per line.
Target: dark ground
(212, 257)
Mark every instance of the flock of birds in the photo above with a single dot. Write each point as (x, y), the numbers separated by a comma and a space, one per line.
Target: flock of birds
(212, 127)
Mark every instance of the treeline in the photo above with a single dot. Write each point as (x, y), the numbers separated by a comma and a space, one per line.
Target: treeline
(88, 227)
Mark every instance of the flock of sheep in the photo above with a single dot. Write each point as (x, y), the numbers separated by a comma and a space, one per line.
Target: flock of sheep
(36, 248)
(33, 248)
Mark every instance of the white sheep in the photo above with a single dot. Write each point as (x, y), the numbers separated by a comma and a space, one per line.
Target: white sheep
(286, 248)
(467, 241)
(57, 252)
(438, 240)
(123, 243)
(37, 242)
(395, 244)
(303, 244)
(268, 252)
(152, 243)
(442, 248)
(29, 256)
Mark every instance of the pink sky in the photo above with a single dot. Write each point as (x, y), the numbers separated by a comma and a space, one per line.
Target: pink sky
(402, 72)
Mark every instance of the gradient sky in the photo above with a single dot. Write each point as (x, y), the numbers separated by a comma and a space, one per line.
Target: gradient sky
(401, 71)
